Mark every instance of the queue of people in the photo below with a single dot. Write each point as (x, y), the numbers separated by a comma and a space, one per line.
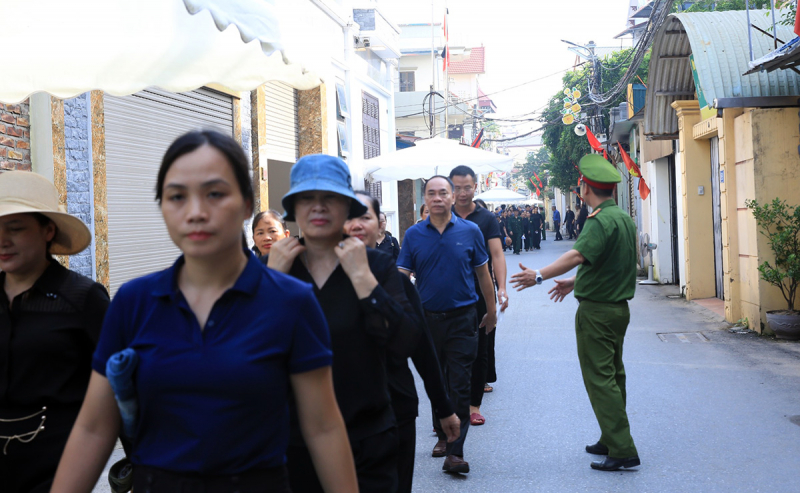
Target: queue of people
(278, 368)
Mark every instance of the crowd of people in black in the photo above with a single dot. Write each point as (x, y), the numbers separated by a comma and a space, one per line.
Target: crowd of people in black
(218, 374)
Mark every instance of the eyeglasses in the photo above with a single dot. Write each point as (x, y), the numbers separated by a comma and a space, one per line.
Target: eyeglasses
(460, 190)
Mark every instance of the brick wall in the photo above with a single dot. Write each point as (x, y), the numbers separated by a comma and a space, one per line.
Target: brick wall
(78, 155)
(15, 136)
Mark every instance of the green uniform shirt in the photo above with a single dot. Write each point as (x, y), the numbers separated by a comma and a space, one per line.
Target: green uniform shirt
(608, 242)
(515, 225)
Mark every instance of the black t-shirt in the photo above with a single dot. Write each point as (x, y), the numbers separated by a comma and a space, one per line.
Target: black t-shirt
(362, 332)
(490, 228)
(47, 338)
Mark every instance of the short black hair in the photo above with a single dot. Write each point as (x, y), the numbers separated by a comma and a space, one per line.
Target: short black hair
(45, 221)
(481, 203)
(463, 171)
(373, 202)
(191, 141)
(601, 192)
(425, 187)
(274, 214)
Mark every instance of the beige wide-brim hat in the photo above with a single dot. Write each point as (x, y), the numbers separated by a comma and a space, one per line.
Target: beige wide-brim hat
(25, 192)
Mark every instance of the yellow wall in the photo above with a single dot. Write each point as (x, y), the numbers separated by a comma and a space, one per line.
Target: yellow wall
(776, 167)
(730, 226)
(695, 171)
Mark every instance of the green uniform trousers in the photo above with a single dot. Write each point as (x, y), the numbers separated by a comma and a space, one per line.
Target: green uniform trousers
(516, 241)
(600, 330)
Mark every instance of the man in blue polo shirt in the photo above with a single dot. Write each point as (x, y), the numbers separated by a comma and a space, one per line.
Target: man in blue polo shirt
(445, 252)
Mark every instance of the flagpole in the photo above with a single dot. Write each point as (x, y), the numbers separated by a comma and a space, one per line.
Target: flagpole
(434, 73)
(447, 72)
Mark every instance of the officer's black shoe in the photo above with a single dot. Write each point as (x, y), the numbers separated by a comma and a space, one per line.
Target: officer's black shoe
(597, 449)
(613, 463)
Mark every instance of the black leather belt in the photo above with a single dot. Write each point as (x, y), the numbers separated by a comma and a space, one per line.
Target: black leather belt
(450, 313)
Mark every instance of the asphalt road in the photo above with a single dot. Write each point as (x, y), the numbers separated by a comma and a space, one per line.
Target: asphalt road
(716, 416)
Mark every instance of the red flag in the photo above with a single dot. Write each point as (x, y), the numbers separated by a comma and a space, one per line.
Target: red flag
(540, 180)
(644, 190)
(632, 168)
(593, 140)
(532, 182)
(605, 155)
(797, 22)
(477, 141)
(446, 49)
(538, 193)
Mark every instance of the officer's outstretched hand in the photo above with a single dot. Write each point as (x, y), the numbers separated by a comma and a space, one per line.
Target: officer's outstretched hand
(562, 288)
(524, 279)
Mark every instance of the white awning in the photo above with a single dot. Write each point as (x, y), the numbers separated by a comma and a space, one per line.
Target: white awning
(66, 48)
(434, 157)
(501, 195)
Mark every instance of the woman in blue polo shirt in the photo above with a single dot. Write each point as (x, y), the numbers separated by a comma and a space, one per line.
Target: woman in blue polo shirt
(220, 341)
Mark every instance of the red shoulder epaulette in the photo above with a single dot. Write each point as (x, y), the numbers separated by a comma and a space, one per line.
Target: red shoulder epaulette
(595, 212)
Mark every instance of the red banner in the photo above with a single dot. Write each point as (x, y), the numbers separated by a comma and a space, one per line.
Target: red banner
(593, 140)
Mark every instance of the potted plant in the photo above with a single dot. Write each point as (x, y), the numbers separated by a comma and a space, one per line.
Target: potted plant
(780, 223)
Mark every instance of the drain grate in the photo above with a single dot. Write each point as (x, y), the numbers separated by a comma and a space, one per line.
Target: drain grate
(683, 337)
(674, 296)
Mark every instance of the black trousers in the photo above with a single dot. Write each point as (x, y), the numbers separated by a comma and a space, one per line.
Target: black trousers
(483, 370)
(536, 236)
(557, 226)
(407, 440)
(455, 339)
(571, 230)
(375, 458)
(154, 480)
(30, 467)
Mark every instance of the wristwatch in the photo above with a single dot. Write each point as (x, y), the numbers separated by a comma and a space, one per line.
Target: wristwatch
(539, 277)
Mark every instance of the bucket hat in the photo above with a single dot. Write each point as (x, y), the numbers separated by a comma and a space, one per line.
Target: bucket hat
(325, 173)
(25, 192)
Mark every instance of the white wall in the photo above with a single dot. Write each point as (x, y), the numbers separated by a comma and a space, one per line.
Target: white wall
(660, 223)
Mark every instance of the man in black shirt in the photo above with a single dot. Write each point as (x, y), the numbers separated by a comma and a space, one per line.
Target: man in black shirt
(464, 181)
(569, 222)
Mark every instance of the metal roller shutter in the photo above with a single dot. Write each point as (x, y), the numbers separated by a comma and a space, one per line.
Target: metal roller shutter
(281, 122)
(139, 128)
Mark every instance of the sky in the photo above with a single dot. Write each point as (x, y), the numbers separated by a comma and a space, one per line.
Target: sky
(522, 40)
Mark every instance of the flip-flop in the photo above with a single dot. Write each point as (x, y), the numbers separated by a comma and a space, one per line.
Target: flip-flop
(476, 419)
(487, 388)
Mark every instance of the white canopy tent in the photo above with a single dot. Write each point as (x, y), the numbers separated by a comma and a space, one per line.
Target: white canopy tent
(501, 195)
(434, 157)
(66, 48)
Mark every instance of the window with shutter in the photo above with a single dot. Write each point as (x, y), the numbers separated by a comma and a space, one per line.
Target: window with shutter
(372, 136)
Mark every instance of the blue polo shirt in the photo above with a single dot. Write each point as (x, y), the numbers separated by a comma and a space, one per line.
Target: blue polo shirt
(556, 216)
(215, 401)
(444, 264)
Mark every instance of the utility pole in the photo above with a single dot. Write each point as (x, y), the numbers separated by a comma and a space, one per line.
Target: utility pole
(430, 111)
(595, 82)
(474, 121)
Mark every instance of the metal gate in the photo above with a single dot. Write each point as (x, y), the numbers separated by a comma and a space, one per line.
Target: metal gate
(139, 128)
(281, 125)
(717, 216)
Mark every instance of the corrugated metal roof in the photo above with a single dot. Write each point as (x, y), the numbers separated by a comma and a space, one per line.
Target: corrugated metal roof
(718, 41)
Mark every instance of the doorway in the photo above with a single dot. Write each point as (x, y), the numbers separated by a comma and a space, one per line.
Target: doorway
(716, 210)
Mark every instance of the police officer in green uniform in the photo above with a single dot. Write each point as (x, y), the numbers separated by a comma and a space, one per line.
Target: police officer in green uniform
(605, 254)
(514, 227)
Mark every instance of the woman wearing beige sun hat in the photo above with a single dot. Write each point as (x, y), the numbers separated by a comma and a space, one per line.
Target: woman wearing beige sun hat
(50, 319)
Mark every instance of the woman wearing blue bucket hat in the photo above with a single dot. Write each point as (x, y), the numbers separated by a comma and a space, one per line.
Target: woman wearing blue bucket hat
(362, 296)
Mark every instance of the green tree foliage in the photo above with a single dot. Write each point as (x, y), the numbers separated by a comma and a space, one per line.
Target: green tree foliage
(535, 162)
(717, 6)
(780, 224)
(566, 148)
